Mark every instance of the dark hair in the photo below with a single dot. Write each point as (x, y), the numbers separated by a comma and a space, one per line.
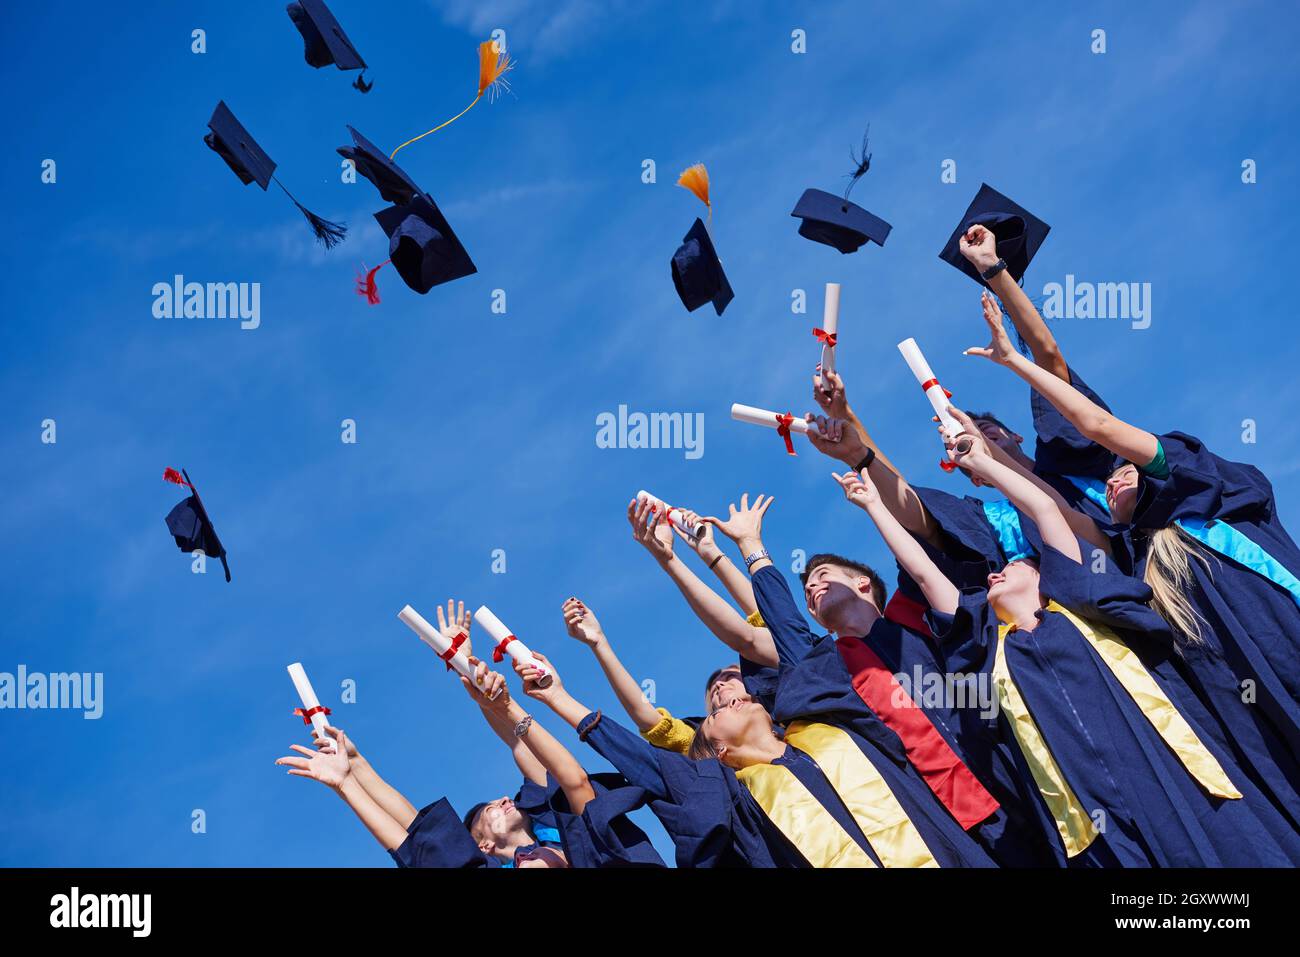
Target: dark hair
(701, 747)
(990, 417)
(469, 819)
(878, 593)
(708, 685)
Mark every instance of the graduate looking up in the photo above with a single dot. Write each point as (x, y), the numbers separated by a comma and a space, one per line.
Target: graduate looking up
(1092, 700)
(870, 668)
(831, 794)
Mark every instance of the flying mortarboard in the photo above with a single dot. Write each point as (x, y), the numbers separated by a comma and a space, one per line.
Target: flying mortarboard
(229, 140)
(697, 270)
(393, 184)
(421, 246)
(833, 220)
(1018, 232)
(324, 40)
(189, 523)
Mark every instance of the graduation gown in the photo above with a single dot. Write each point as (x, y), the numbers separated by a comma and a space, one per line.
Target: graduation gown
(892, 681)
(1248, 598)
(602, 836)
(1121, 749)
(833, 799)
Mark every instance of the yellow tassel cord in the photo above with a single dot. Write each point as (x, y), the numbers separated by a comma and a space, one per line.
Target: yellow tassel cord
(696, 179)
(493, 65)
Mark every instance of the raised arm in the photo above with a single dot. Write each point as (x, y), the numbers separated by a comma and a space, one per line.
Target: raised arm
(846, 441)
(726, 624)
(502, 716)
(941, 594)
(1091, 420)
(970, 450)
(332, 768)
(979, 246)
(581, 623)
(384, 794)
(733, 579)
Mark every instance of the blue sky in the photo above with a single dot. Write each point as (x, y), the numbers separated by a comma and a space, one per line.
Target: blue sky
(477, 431)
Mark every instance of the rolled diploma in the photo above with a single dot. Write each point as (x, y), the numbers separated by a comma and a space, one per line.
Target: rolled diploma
(831, 325)
(516, 649)
(434, 639)
(674, 514)
(747, 413)
(938, 399)
(309, 699)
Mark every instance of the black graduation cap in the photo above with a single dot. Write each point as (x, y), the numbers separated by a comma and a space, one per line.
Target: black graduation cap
(1018, 232)
(229, 140)
(189, 523)
(372, 163)
(834, 220)
(421, 245)
(324, 40)
(697, 271)
(837, 222)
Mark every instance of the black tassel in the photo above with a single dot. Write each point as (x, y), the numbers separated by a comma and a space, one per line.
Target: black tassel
(861, 163)
(330, 234)
(361, 84)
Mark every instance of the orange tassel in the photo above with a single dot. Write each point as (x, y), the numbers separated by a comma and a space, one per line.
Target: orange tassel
(696, 179)
(492, 66)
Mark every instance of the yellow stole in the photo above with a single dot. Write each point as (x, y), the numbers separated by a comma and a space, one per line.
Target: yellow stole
(812, 829)
(1072, 820)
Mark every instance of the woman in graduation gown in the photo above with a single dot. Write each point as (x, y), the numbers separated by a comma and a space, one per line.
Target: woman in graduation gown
(1091, 699)
(828, 795)
(559, 818)
(1205, 534)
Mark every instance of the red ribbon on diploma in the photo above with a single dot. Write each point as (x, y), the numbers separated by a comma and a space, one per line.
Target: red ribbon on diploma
(499, 652)
(925, 386)
(783, 430)
(450, 653)
(306, 715)
(826, 337)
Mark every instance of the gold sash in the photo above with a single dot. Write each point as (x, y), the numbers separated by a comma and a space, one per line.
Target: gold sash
(1072, 820)
(812, 829)
(1151, 699)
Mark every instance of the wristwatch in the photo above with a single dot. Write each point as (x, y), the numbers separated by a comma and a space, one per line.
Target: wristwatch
(758, 556)
(993, 270)
(522, 727)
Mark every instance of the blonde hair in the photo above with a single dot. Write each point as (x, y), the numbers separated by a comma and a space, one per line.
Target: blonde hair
(1169, 573)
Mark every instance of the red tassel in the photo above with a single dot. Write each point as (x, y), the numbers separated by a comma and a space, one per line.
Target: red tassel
(366, 285)
(171, 475)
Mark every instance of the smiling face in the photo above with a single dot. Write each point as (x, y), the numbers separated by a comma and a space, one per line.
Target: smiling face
(830, 589)
(1015, 587)
(496, 823)
(742, 722)
(727, 686)
(1121, 492)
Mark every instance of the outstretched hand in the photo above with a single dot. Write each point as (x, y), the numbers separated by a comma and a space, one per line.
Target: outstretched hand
(491, 681)
(836, 438)
(745, 522)
(858, 488)
(999, 349)
(329, 767)
(968, 448)
(455, 621)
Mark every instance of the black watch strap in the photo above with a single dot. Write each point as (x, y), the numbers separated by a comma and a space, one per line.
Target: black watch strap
(993, 270)
(866, 460)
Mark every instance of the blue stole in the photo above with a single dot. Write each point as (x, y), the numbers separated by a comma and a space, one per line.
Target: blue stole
(1093, 489)
(1227, 541)
(544, 835)
(1005, 522)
